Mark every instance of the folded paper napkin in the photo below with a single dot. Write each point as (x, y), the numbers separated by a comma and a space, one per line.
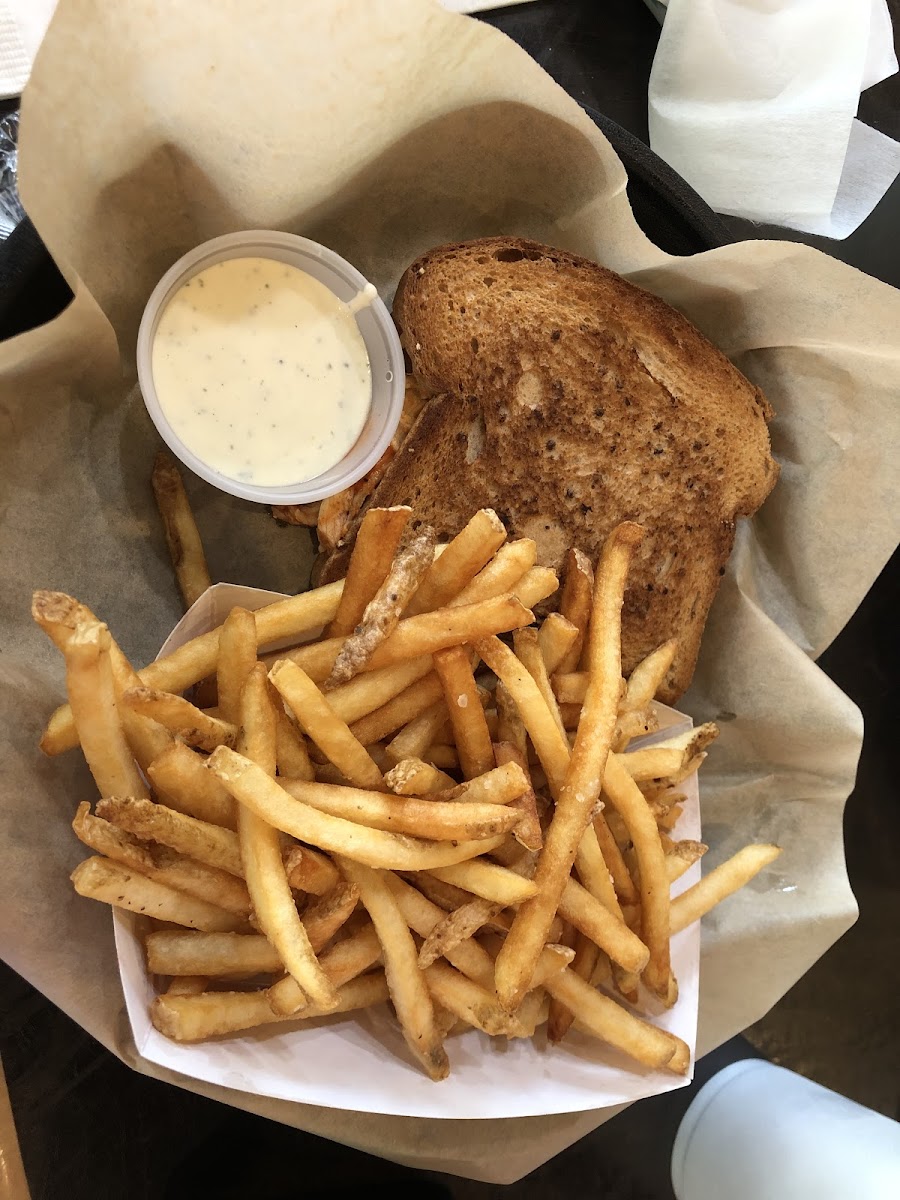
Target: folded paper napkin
(754, 102)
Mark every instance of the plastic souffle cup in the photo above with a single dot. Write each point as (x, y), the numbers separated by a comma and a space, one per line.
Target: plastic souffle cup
(375, 326)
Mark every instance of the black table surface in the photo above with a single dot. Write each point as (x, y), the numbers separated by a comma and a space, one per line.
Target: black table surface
(90, 1128)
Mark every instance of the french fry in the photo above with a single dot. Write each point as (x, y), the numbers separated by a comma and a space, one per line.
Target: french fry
(570, 687)
(293, 617)
(549, 742)
(458, 925)
(556, 638)
(338, 512)
(238, 955)
(557, 1013)
(502, 574)
(528, 650)
(584, 775)
(373, 552)
(181, 778)
(415, 737)
(528, 832)
(341, 963)
(162, 864)
(575, 603)
(536, 585)
(433, 818)
(261, 857)
(374, 847)
(720, 883)
(405, 707)
(510, 728)
(189, 723)
(382, 613)
(470, 1002)
(320, 723)
(180, 528)
(211, 844)
(237, 658)
(667, 759)
(464, 557)
(625, 796)
(123, 887)
(605, 1019)
(373, 689)
(497, 785)
(586, 956)
(424, 633)
(445, 895)
(681, 856)
(470, 729)
(187, 985)
(89, 680)
(647, 677)
(611, 934)
(488, 880)
(291, 754)
(422, 915)
(407, 986)
(309, 871)
(413, 777)
(214, 1014)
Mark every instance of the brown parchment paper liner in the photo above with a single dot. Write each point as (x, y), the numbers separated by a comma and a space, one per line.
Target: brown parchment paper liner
(382, 129)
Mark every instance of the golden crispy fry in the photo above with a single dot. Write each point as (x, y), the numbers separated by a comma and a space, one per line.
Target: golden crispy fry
(413, 777)
(434, 818)
(341, 963)
(408, 989)
(497, 785)
(323, 726)
(625, 796)
(191, 724)
(647, 677)
(337, 513)
(445, 895)
(528, 832)
(489, 880)
(575, 603)
(632, 724)
(471, 1003)
(549, 742)
(510, 728)
(557, 1013)
(382, 613)
(442, 756)
(605, 1019)
(237, 658)
(187, 985)
(414, 738)
(681, 856)
(667, 759)
(423, 915)
(253, 787)
(309, 871)
(373, 689)
(586, 956)
(421, 634)
(180, 777)
(577, 799)
(503, 573)
(470, 730)
(261, 857)
(528, 650)
(89, 680)
(536, 585)
(162, 864)
(610, 933)
(206, 843)
(570, 687)
(291, 754)
(173, 952)
(373, 552)
(182, 535)
(715, 887)
(594, 872)
(294, 616)
(556, 638)
(214, 1014)
(466, 554)
(123, 887)
(405, 707)
(456, 927)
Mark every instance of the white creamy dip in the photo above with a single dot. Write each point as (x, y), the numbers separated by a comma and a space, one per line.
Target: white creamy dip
(262, 371)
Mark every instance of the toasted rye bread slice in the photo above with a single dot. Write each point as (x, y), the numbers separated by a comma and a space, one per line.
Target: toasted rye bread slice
(568, 400)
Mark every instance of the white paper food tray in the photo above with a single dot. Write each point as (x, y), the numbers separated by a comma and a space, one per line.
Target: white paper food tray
(360, 1062)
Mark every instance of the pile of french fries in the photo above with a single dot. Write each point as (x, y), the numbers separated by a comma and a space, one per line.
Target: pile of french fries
(405, 808)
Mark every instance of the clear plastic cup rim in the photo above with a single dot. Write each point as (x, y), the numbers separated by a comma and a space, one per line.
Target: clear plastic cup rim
(375, 325)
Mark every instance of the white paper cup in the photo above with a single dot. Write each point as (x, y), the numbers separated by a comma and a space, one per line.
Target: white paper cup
(759, 1132)
(374, 323)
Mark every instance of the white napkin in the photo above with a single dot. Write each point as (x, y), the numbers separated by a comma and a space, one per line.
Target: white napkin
(754, 102)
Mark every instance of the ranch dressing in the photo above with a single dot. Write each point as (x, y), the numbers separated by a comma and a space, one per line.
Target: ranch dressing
(262, 372)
